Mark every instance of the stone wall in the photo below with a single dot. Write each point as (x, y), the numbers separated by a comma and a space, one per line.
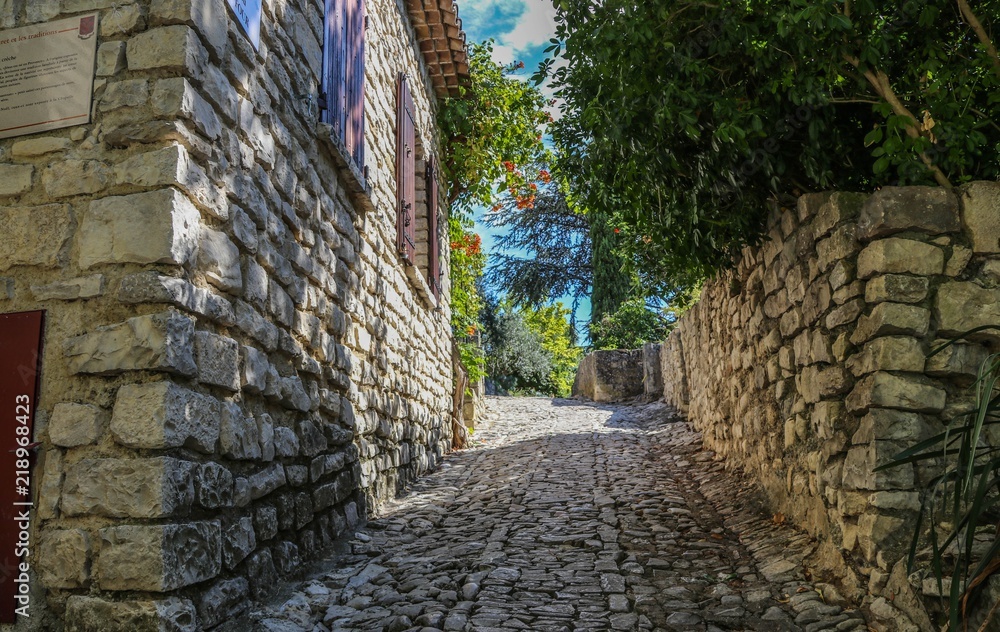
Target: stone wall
(237, 364)
(807, 365)
(609, 376)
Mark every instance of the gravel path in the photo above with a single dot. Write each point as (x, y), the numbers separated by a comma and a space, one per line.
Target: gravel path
(570, 516)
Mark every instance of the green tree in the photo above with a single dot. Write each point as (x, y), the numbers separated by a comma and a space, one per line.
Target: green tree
(552, 325)
(493, 135)
(682, 119)
(542, 251)
(515, 357)
(632, 325)
(613, 284)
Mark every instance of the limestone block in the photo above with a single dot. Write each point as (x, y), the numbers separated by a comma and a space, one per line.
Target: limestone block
(176, 98)
(239, 541)
(888, 353)
(152, 287)
(239, 434)
(244, 231)
(159, 558)
(262, 574)
(883, 535)
(50, 491)
(897, 288)
(981, 215)
(213, 486)
(791, 323)
(609, 375)
(881, 424)
(219, 260)
(256, 326)
(218, 360)
(897, 501)
(960, 257)
(892, 318)
(165, 415)
(72, 425)
(932, 210)
(175, 47)
(64, 558)
(327, 464)
(836, 208)
(110, 58)
(859, 468)
(847, 292)
(133, 488)
(312, 440)
(844, 314)
(334, 492)
(286, 443)
(816, 382)
(253, 374)
(35, 146)
(208, 18)
(126, 19)
(841, 244)
(266, 481)
(829, 417)
(131, 93)
(65, 178)
(70, 289)
(887, 390)
(155, 227)
(266, 430)
(956, 360)
(961, 306)
(223, 601)
(90, 614)
(159, 342)
(815, 303)
(15, 179)
(173, 166)
(900, 256)
(298, 475)
(34, 235)
(265, 522)
(255, 283)
(293, 394)
(286, 557)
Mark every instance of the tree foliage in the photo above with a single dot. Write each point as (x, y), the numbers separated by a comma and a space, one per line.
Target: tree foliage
(613, 281)
(631, 325)
(493, 134)
(542, 251)
(528, 350)
(467, 264)
(682, 119)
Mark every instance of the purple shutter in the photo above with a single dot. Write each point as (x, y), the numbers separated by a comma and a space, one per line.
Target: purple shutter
(354, 132)
(406, 190)
(433, 239)
(344, 74)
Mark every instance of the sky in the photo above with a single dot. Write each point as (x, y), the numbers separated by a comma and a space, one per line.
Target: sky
(521, 30)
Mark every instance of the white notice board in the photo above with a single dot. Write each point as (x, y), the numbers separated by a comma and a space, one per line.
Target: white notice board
(247, 14)
(47, 75)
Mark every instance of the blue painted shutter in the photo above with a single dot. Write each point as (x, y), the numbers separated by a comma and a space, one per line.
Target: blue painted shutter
(343, 105)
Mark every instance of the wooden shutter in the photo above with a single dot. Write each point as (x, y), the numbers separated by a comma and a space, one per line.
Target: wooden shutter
(406, 190)
(344, 74)
(433, 239)
(354, 133)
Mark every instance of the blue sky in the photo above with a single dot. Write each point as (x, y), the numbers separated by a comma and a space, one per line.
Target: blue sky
(521, 30)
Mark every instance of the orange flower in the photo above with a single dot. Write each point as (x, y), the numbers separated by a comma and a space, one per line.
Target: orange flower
(617, 231)
(471, 330)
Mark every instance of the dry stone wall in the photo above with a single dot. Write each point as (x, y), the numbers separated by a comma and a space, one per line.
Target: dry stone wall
(237, 364)
(807, 365)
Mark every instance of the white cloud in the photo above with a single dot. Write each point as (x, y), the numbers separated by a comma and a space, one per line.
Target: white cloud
(536, 26)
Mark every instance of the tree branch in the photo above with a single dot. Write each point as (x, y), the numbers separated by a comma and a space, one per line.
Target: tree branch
(880, 82)
(984, 38)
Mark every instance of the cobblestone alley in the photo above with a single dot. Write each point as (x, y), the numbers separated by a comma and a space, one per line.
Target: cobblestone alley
(570, 516)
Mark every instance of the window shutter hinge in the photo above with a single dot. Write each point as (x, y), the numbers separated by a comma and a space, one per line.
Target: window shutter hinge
(366, 22)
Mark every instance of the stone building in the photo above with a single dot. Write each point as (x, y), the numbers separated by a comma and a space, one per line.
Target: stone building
(247, 342)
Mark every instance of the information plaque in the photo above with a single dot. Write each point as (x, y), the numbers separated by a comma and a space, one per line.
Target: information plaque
(20, 354)
(247, 14)
(47, 75)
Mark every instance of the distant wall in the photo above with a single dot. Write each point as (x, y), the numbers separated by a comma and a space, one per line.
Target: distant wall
(807, 365)
(607, 376)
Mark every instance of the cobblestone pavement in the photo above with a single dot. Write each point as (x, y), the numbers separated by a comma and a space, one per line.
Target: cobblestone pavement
(570, 516)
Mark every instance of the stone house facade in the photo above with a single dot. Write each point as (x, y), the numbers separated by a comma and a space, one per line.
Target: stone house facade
(247, 343)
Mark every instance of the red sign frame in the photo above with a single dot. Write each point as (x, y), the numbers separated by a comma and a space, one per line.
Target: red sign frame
(20, 367)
